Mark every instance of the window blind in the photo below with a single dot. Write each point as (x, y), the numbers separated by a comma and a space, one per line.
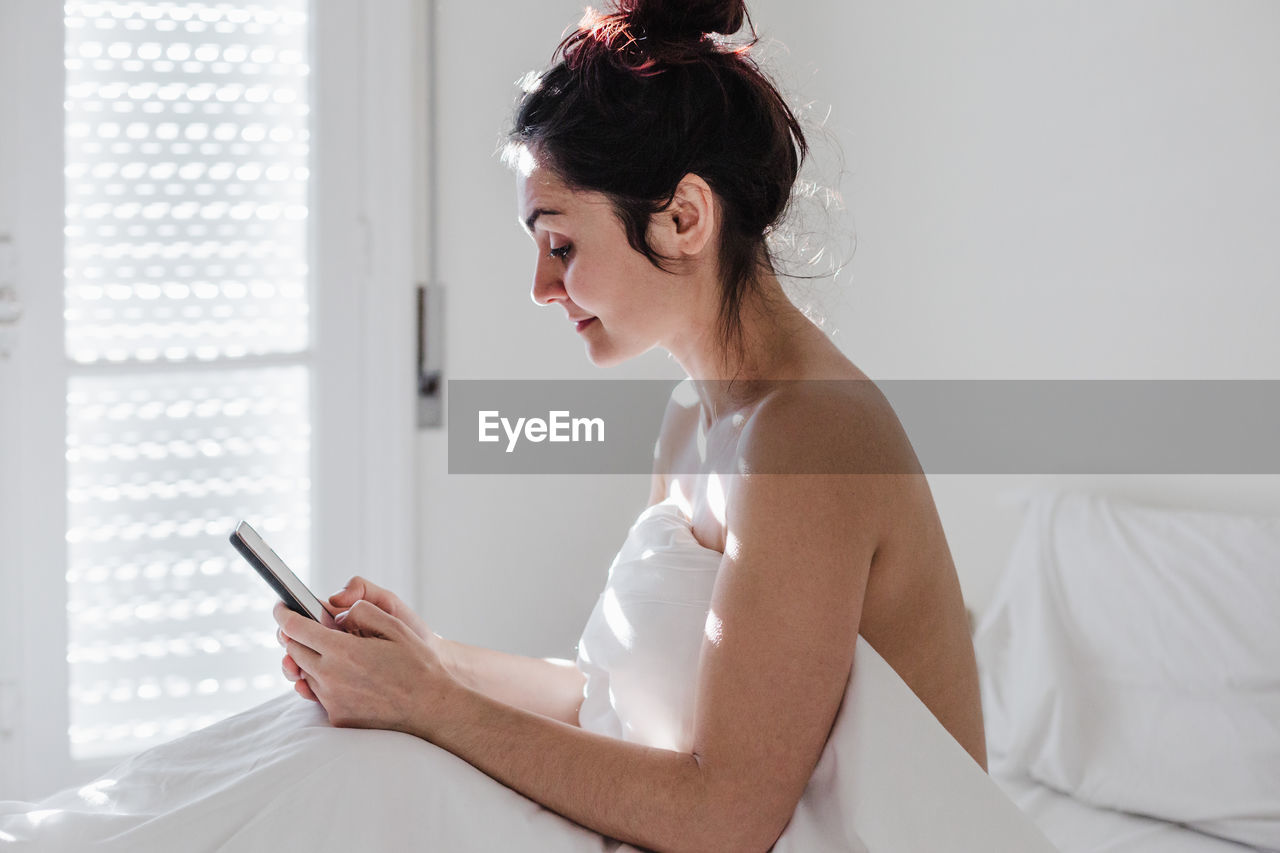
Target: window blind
(188, 328)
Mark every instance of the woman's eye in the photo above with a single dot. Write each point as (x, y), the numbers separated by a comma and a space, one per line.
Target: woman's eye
(560, 252)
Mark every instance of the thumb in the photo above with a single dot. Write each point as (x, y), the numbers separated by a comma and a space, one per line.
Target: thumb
(369, 620)
(349, 594)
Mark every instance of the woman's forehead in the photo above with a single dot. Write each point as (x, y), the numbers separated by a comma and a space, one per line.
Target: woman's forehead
(537, 196)
(541, 188)
(541, 193)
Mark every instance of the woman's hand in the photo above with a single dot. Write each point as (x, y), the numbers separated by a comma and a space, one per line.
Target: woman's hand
(375, 672)
(360, 589)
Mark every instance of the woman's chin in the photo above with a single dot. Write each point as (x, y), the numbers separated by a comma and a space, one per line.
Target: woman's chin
(604, 351)
(603, 359)
(607, 355)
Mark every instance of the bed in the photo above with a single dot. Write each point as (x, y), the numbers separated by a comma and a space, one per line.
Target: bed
(1076, 827)
(1130, 668)
(1130, 684)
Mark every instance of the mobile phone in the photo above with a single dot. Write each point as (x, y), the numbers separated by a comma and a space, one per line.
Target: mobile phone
(266, 562)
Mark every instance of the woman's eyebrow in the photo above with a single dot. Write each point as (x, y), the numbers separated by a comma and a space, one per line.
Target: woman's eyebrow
(533, 217)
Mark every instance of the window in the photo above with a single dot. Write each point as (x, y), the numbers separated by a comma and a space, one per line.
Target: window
(206, 313)
(187, 173)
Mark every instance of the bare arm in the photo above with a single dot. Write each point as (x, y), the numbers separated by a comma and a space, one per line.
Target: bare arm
(551, 687)
(653, 798)
(548, 686)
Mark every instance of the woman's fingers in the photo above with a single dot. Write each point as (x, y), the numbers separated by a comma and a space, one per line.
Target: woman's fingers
(290, 668)
(366, 619)
(304, 690)
(306, 659)
(356, 589)
(304, 630)
(360, 589)
(295, 674)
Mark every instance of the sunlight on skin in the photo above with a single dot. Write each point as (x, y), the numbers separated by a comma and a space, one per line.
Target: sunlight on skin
(525, 163)
(93, 793)
(682, 501)
(562, 663)
(715, 497)
(617, 620)
(714, 628)
(732, 545)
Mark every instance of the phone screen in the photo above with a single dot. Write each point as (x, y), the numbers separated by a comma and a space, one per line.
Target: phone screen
(292, 591)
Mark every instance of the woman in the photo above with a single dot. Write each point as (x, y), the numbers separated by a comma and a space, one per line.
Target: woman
(653, 160)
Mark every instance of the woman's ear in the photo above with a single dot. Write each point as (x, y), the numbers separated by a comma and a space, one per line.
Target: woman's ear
(684, 228)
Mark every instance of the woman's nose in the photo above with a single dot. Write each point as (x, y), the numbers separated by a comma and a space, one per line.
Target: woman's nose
(547, 286)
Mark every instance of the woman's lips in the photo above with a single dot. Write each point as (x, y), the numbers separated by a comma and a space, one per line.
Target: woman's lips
(582, 324)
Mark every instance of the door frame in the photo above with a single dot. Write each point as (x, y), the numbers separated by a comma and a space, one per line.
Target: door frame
(35, 752)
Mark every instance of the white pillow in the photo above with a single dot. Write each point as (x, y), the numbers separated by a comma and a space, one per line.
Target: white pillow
(1131, 658)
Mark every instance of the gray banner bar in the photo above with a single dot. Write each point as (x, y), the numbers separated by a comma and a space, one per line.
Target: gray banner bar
(979, 426)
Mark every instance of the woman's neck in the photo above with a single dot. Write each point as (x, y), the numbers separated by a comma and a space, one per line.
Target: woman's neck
(777, 340)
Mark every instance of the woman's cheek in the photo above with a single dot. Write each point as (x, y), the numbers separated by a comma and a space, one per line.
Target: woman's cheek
(579, 294)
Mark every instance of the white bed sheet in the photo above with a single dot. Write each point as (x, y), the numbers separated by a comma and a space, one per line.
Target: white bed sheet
(279, 777)
(1077, 827)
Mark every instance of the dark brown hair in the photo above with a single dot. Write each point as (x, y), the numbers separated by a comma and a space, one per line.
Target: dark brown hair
(638, 98)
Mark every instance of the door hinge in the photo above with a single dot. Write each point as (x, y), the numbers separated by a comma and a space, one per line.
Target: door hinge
(10, 300)
(430, 356)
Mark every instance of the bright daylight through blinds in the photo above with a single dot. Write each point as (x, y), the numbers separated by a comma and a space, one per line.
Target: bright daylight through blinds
(187, 326)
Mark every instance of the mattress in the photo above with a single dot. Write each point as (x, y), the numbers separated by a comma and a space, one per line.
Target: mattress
(1077, 827)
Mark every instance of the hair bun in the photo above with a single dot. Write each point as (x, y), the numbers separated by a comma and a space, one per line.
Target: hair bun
(679, 20)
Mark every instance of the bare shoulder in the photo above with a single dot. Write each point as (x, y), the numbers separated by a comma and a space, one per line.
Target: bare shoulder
(813, 456)
(824, 460)
(843, 426)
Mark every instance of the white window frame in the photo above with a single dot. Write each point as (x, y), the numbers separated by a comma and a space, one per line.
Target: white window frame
(365, 222)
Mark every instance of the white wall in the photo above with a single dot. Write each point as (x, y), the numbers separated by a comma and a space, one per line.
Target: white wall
(1039, 190)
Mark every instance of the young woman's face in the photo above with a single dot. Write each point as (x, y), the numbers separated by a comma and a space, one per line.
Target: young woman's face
(586, 267)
